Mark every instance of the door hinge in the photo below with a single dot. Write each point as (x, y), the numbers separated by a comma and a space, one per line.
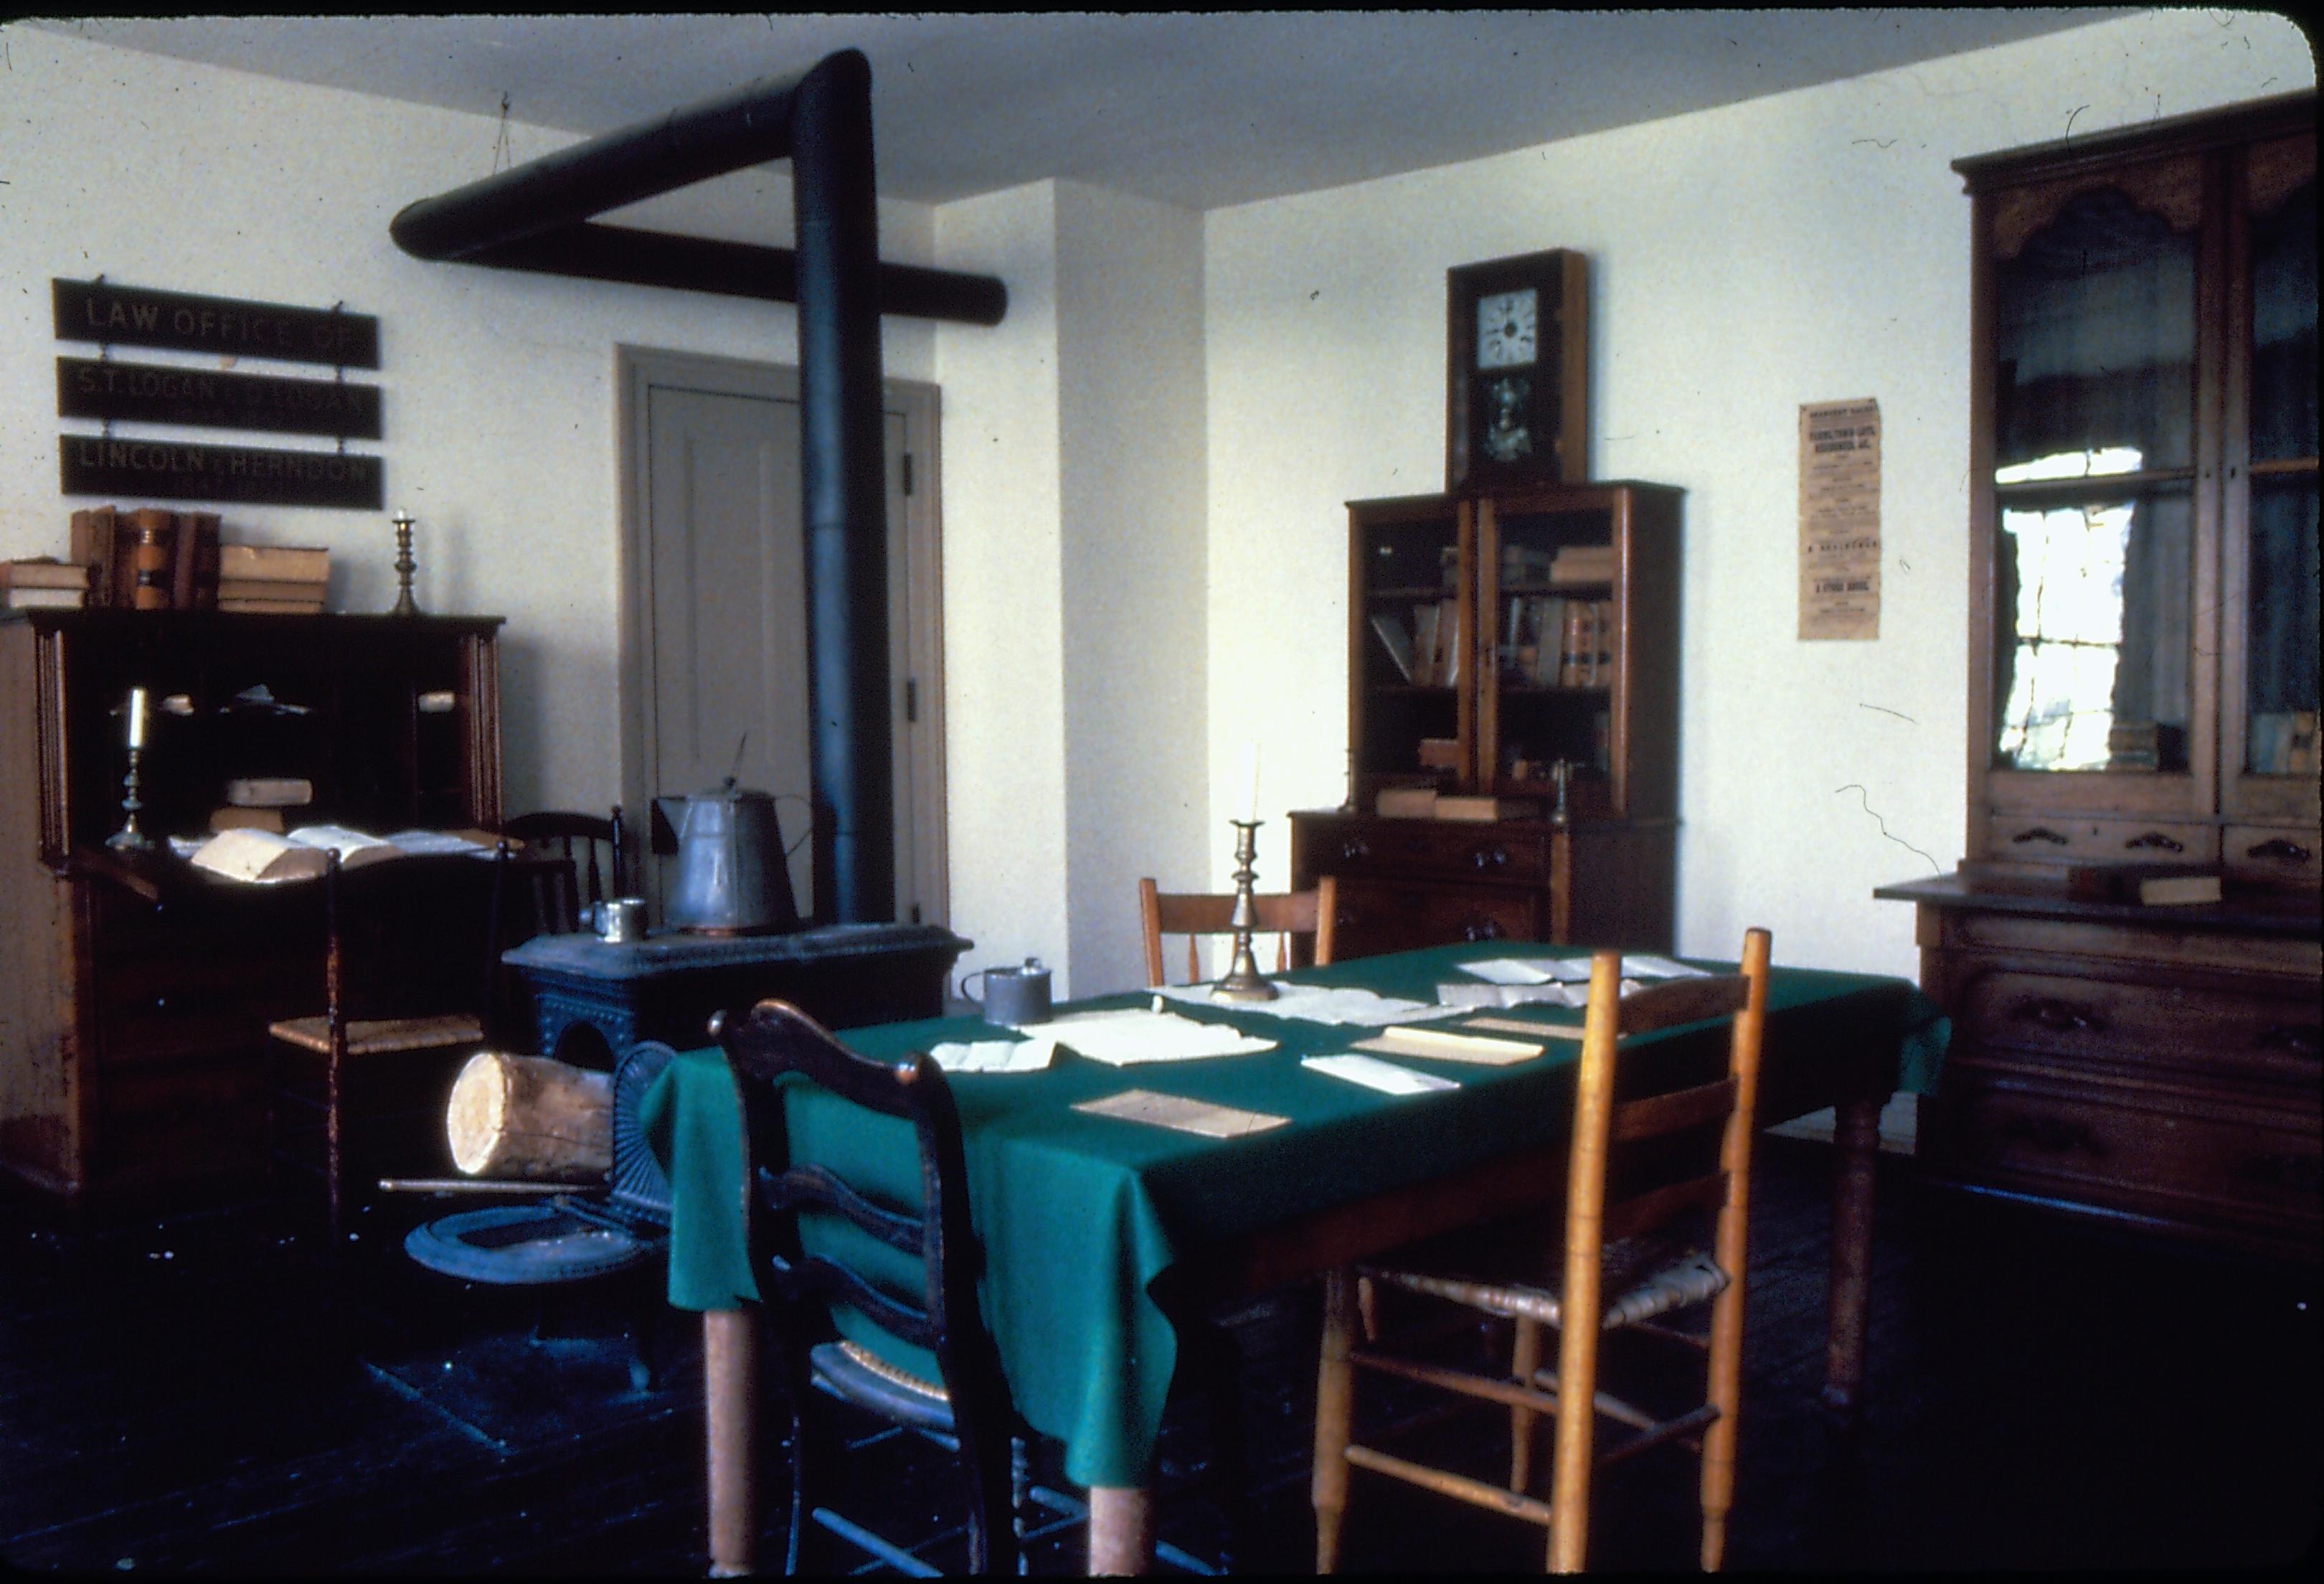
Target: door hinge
(907, 460)
(912, 699)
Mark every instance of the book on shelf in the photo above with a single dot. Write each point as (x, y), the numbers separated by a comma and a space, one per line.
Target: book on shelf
(269, 588)
(153, 556)
(1582, 564)
(1481, 807)
(265, 858)
(13, 598)
(270, 792)
(1424, 643)
(1526, 563)
(299, 563)
(194, 564)
(44, 572)
(1396, 639)
(1439, 754)
(235, 817)
(272, 606)
(91, 546)
(2158, 883)
(1406, 802)
(1448, 644)
(1569, 644)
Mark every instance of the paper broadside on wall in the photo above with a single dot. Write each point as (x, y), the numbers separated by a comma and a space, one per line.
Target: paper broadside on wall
(1839, 519)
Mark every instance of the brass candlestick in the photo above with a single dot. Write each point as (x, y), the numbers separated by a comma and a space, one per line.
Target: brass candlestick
(1242, 980)
(404, 567)
(129, 838)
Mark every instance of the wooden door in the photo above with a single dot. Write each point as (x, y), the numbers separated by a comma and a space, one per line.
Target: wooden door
(717, 662)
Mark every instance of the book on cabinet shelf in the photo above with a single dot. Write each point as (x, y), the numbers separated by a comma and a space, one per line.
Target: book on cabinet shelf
(300, 563)
(272, 606)
(1396, 639)
(265, 858)
(194, 562)
(2160, 883)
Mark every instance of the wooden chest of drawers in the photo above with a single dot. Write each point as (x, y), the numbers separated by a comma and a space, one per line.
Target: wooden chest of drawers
(2156, 1066)
(1411, 882)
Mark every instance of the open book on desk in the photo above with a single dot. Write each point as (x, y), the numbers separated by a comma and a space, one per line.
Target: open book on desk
(264, 856)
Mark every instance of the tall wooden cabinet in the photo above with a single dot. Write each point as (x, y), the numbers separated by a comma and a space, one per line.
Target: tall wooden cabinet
(2143, 684)
(1493, 638)
(134, 992)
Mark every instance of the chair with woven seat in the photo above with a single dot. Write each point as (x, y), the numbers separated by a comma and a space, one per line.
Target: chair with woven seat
(902, 1260)
(1196, 914)
(410, 961)
(1663, 1157)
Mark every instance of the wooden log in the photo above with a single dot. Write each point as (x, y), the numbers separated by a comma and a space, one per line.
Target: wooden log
(530, 1117)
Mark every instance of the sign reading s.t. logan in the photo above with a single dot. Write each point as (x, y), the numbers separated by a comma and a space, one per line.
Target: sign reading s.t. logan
(168, 469)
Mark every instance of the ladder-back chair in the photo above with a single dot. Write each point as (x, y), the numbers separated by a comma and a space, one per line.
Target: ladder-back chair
(1622, 1269)
(1196, 914)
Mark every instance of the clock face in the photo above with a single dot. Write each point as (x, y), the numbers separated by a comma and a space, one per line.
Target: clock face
(1507, 328)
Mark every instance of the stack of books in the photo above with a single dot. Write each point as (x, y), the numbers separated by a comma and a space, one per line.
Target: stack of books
(147, 559)
(41, 583)
(281, 580)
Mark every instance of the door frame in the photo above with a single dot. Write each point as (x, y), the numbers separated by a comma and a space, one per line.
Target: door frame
(638, 369)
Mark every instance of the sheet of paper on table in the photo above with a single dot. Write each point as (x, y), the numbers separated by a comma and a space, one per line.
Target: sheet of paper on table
(1647, 966)
(1320, 1003)
(1181, 1114)
(994, 1055)
(1539, 971)
(1122, 1039)
(1464, 997)
(1376, 1074)
(1443, 1045)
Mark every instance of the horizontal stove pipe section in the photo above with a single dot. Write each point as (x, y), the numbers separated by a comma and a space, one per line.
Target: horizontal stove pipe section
(822, 121)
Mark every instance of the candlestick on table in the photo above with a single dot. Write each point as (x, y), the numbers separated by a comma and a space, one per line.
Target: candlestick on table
(1242, 980)
(404, 566)
(129, 838)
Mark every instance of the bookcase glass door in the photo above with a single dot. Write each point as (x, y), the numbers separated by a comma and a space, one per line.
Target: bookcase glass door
(1547, 583)
(1410, 721)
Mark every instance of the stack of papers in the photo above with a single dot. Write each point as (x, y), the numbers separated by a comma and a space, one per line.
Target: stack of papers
(1122, 1039)
(1376, 1074)
(994, 1055)
(1319, 1003)
(1444, 1045)
(1575, 970)
(1181, 1114)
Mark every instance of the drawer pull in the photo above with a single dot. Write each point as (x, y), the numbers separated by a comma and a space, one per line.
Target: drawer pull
(2052, 1134)
(2058, 1016)
(2039, 833)
(2154, 839)
(1483, 930)
(1489, 858)
(1354, 848)
(2300, 1042)
(2278, 847)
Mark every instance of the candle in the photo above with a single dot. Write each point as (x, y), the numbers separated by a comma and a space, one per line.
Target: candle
(1247, 775)
(136, 717)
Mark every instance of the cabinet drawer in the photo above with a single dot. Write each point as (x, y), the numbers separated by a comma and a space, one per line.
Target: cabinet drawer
(2186, 1163)
(2270, 855)
(2141, 1027)
(2167, 942)
(1429, 848)
(165, 1008)
(1383, 915)
(2043, 838)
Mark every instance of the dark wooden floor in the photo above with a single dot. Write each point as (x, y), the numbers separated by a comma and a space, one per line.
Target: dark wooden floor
(195, 1394)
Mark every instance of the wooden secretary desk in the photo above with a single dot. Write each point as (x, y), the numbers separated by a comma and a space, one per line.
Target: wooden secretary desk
(135, 991)
(2142, 687)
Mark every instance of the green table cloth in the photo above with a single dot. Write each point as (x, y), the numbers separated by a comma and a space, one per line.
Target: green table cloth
(1078, 1215)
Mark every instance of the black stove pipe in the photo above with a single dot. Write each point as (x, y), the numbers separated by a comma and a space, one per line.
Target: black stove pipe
(822, 121)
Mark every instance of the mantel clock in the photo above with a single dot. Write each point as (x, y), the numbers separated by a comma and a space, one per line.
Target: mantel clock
(1517, 342)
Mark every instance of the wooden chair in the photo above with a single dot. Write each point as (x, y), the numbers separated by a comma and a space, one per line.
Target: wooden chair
(928, 1302)
(1622, 1269)
(592, 848)
(411, 949)
(1195, 914)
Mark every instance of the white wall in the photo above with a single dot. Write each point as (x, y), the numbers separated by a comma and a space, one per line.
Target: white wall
(1806, 247)
(498, 386)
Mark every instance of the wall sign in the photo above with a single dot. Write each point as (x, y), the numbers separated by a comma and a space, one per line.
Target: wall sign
(149, 393)
(1839, 520)
(145, 393)
(172, 470)
(93, 311)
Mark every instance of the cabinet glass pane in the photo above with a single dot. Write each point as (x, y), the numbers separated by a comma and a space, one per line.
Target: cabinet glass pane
(2283, 654)
(2095, 340)
(2284, 330)
(1408, 712)
(1556, 639)
(2092, 601)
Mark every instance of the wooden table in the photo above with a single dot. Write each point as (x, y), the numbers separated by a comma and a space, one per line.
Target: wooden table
(1832, 1040)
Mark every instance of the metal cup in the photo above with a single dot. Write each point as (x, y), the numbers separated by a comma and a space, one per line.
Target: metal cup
(622, 919)
(1013, 995)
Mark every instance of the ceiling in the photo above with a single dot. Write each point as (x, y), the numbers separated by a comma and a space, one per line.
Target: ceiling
(1197, 109)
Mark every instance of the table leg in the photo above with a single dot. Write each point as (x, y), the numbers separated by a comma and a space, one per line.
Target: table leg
(1856, 1132)
(729, 1400)
(1121, 1530)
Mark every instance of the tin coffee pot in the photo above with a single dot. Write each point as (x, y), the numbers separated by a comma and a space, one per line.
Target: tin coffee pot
(731, 878)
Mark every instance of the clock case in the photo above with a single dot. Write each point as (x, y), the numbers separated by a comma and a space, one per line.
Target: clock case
(1557, 411)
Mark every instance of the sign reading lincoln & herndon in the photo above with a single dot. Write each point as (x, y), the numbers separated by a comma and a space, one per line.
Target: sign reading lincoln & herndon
(173, 470)
(95, 311)
(146, 392)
